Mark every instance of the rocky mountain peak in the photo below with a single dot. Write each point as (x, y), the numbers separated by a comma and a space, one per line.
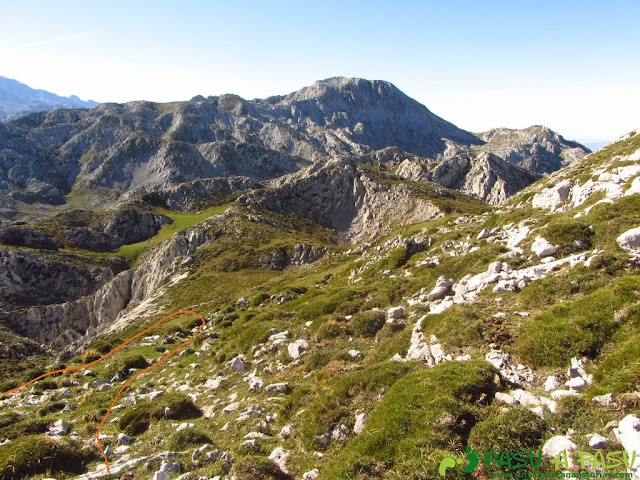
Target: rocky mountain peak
(536, 148)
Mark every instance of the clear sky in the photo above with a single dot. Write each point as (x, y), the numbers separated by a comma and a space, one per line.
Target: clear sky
(571, 65)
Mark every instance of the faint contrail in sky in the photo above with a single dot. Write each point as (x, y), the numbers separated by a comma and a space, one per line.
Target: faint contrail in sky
(53, 40)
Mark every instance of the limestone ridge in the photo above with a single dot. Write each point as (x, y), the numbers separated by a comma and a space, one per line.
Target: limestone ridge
(116, 152)
(342, 195)
(18, 99)
(536, 148)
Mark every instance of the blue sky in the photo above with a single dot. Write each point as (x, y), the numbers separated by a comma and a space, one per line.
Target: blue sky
(573, 66)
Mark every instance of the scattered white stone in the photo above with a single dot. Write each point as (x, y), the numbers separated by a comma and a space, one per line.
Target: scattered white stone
(505, 398)
(628, 434)
(214, 383)
(212, 456)
(557, 444)
(297, 348)
(285, 432)
(255, 384)
(526, 398)
(123, 439)
(551, 383)
(542, 248)
(161, 476)
(498, 359)
(277, 388)
(170, 466)
(154, 395)
(441, 289)
(630, 239)
(232, 407)
(184, 426)
(250, 444)
(6, 442)
(238, 364)
(598, 441)
(311, 474)
(560, 394)
(59, 428)
(361, 420)
(396, 313)
(605, 400)
(516, 237)
(279, 456)
(577, 384)
(356, 354)
(552, 197)
(340, 433)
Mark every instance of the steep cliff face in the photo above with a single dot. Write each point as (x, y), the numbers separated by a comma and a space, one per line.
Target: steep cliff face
(28, 278)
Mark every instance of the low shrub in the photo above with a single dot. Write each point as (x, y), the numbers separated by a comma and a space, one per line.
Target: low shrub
(422, 414)
(175, 406)
(33, 455)
(188, 438)
(135, 421)
(367, 324)
(515, 430)
(398, 257)
(332, 328)
(258, 468)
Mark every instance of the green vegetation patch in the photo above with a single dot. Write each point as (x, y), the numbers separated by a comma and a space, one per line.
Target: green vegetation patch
(515, 430)
(253, 467)
(32, 455)
(180, 221)
(346, 392)
(581, 326)
(423, 414)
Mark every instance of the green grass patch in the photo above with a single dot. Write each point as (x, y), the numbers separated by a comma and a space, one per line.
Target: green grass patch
(346, 393)
(581, 326)
(181, 221)
(423, 414)
(515, 430)
(33, 455)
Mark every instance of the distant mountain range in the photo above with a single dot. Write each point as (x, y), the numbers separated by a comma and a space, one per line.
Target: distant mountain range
(116, 152)
(18, 99)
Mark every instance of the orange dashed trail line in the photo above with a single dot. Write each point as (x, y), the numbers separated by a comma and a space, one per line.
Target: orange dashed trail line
(172, 352)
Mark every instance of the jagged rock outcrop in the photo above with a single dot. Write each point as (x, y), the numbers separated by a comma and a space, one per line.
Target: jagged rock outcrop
(124, 226)
(60, 324)
(341, 195)
(23, 236)
(28, 278)
(536, 148)
(301, 254)
(483, 175)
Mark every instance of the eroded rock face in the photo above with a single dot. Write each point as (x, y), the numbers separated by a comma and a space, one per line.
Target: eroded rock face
(536, 148)
(124, 226)
(341, 195)
(28, 237)
(28, 279)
